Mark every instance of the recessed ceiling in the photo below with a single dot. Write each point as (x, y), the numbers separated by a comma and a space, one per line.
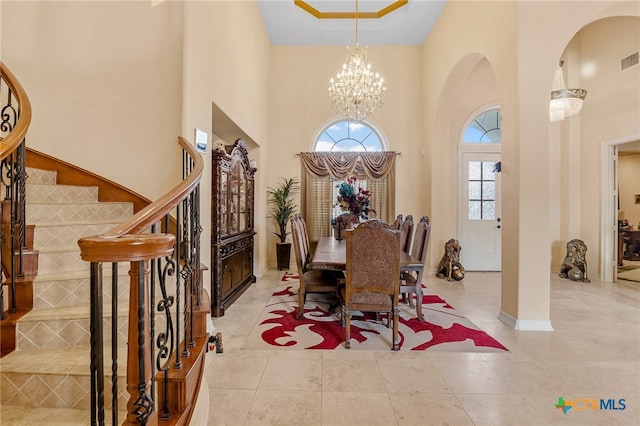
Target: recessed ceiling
(380, 22)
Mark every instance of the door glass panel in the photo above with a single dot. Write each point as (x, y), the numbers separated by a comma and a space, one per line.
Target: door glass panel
(474, 170)
(488, 190)
(487, 170)
(482, 190)
(488, 209)
(475, 189)
(474, 210)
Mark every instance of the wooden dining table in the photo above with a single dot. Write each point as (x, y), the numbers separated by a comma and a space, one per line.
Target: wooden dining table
(331, 254)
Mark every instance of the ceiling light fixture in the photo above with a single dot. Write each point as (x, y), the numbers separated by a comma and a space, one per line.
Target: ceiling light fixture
(356, 91)
(564, 102)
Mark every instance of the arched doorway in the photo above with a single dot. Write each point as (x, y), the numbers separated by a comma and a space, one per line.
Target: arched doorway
(479, 200)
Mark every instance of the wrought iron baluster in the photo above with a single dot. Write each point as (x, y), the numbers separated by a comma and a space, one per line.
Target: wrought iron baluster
(197, 240)
(186, 273)
(2, 243)
(165, 339)
(21, 188)
(144, 404)
(152, 332)
(97, 357)
(177, 257)
(114, 343)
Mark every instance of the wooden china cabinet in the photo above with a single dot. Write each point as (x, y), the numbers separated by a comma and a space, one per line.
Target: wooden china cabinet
(232, 209)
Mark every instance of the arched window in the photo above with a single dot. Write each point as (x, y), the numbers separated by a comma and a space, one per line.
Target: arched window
(349, 136)
(485, 128)
(320, 194)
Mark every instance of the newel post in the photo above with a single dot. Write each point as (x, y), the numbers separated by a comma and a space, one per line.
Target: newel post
(138, 250)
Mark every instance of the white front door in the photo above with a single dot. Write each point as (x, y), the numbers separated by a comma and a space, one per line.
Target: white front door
(480, 223)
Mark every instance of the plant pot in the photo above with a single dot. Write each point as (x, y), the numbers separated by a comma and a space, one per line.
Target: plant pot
(283, 252)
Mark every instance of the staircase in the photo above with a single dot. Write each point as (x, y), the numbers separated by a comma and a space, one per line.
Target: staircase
(65, 340)
(50, 365)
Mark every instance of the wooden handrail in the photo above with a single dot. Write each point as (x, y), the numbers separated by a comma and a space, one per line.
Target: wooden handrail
(11, 142)
(135, 241)
(15, 119)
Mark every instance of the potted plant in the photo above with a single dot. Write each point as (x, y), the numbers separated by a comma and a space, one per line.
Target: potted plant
(280, 200)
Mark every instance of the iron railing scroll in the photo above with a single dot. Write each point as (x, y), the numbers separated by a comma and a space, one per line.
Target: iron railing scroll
(15, 117)
(161, 243)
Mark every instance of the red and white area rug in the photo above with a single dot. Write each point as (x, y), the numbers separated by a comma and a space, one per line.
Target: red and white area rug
(444, 329)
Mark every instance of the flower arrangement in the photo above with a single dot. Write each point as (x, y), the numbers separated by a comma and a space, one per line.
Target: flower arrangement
(354, 199)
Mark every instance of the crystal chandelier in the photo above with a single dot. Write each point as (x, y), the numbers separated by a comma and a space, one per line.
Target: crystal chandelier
(356, 91)
(564, 102)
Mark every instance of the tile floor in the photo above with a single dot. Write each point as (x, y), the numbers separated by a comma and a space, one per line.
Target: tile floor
(593, 353)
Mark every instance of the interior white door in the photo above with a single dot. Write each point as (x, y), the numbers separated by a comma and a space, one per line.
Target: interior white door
(480, 220)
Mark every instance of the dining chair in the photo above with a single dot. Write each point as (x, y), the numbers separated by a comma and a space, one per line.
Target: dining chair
(372, 274)
(311, 280)
(411, 281)
(406, 228)
(396, 223)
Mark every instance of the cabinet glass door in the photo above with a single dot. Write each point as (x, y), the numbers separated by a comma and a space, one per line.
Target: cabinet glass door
(224, 202)
(238, 198)
(242, 208)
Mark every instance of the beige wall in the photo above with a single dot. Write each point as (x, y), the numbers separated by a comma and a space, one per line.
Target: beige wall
(138, 76)
(105, 84)
(300, 107)
(609, 112)
(523, 57)
(226, 62)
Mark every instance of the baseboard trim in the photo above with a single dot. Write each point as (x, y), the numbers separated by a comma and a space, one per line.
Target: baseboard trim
(525, 325)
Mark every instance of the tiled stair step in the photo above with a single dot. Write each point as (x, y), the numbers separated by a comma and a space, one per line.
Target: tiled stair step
(60, 235)
(40, 213)
(72, 288)
(61, 260)
(42, 177)
(62, 193)
(21, 415)
(62, 327)
(57, 378)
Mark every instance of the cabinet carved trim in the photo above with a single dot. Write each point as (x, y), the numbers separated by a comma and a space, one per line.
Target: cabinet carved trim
(232, 225)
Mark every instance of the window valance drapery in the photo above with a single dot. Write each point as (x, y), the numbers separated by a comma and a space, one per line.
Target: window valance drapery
(321, 170)
(342, 165)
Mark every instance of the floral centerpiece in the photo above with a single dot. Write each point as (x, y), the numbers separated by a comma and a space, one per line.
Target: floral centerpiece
(354, 199)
